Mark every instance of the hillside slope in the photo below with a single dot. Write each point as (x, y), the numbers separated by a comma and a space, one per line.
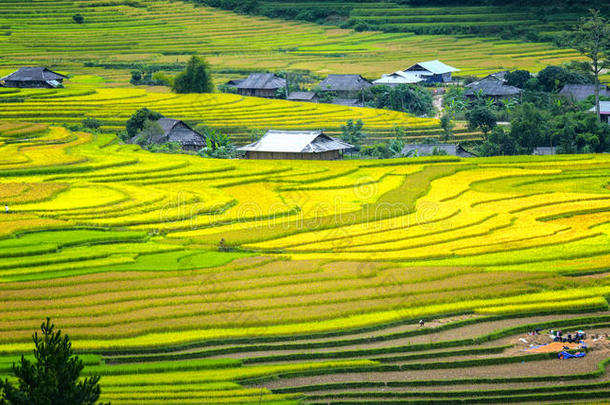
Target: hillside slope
(332, 265)
(119, 35)
(532, 20)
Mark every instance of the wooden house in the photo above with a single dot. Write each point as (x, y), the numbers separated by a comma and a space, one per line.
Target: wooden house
(424, 149)
(304, 145)
(345, 86)
(33, 77)
(492, 87)
(433, 71)
(261, 85)
(304, 96)
(178, 131)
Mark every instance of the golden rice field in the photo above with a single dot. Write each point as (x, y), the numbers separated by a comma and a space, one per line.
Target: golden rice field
(231, 112)
(330, 265)
(164, 31)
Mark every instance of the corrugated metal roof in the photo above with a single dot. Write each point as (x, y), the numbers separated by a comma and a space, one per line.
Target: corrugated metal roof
(399, 77)
(344, 83)
(604, 107)
(39, 74)
(262, 81)
(433, 66)
(296, 142)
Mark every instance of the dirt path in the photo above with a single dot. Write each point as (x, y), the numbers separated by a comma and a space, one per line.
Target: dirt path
(549, 367)
(465, 332)
(437, 101)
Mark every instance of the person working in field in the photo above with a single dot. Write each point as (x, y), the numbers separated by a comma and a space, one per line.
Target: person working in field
(6, 208)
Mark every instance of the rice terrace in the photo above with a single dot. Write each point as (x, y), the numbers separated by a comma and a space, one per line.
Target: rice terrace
(269, 202)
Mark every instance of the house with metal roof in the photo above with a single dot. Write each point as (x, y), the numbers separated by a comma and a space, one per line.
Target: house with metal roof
(179, 131)
(424, 149)
(33, 77)
(604, 109)
(432, 71)
(345, 86)
(305, 145)
(579, 92)
(305, 96)
(261, 85)
(491, 87)
(396, 78)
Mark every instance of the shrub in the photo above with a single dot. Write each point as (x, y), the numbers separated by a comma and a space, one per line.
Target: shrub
(135, 124)
(92, 123)
(197, 78)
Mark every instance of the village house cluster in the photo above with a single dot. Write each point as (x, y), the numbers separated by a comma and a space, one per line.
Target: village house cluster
(346, 89)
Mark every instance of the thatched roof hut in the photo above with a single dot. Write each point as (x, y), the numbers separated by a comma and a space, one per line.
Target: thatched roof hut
(178, 131)
(261, 85)
(579, 92)
(492, 87)
(33, 77)
(346, 86)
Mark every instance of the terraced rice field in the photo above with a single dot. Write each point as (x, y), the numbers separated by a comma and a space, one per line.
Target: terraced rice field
(116, 33)
(330, 266)
(234, 114)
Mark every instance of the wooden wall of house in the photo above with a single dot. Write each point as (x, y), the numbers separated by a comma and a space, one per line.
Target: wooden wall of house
(27, 84)
(266, 93)
(330, 155)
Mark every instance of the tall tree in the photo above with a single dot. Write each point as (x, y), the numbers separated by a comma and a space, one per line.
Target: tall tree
(592, 39)
(53, 379)
(197, 78)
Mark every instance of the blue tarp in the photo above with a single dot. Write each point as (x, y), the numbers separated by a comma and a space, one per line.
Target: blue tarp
(566, 355)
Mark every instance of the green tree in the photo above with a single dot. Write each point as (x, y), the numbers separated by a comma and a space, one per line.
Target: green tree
(197, 78)
(530, 127)
(151, 131)
(482, 118)
(53, 378)
(408, 98)
(518, 78)
(447, 125)
(498, 142)
(377, 151)
(78, 18)
(352, 133)
(135, 123)
(580, 132)
(592, 39)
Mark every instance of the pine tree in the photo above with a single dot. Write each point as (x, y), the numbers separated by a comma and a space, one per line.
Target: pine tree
(53, 378)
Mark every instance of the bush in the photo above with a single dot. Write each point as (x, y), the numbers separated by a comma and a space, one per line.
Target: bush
(135, 123)
(92, 123)
(197, 78)
(78, 18)
(482, 118)
(518, 78)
